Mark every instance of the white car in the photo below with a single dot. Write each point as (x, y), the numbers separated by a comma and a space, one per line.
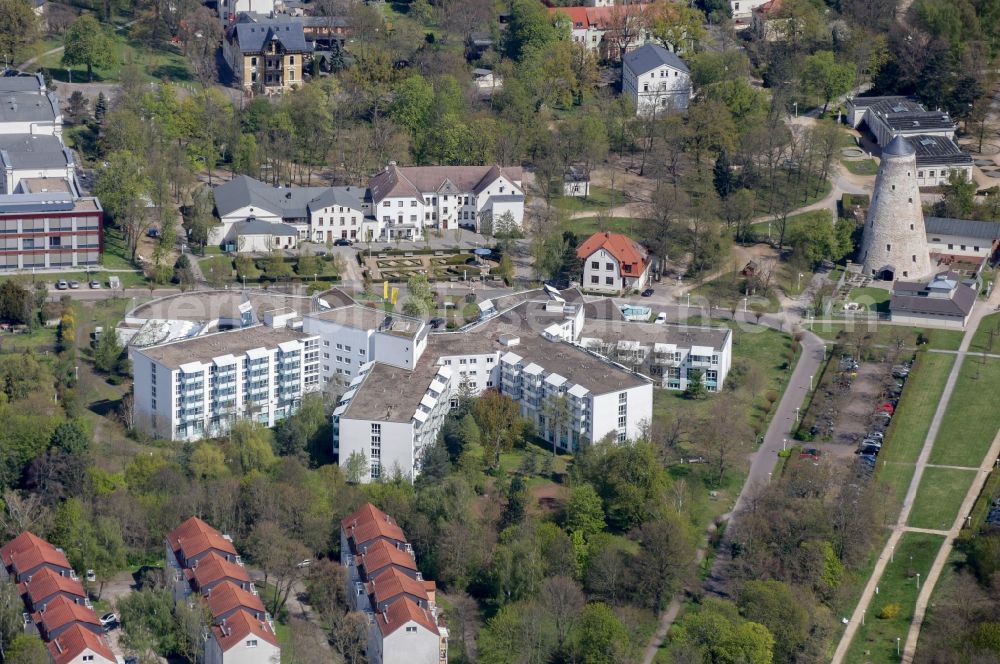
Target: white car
(661, 318)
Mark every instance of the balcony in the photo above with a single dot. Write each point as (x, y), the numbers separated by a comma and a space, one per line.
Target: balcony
(666, 360)
(700, 361)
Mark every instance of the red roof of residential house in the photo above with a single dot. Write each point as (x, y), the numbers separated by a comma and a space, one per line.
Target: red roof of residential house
(393, 583)
(768, 8)
(238, 627)
(382, 554)
(598, 18)
(47, 583)
(194, 537)
(74, 641)
(214, 567)
(632, 257)
(369, 523)
(62, 611)
(228, 596)
(27, 551)
(402, 611)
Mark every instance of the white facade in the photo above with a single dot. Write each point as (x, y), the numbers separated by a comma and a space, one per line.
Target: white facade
(30, 113)
(249, 650)
(86, 656)
(334, 222)
(228, 9)
(409, 643)
(743, 9)
(210, 388)
(930, 175)
(602, 273)
(665, 88)
(392, 444)
(12, 175)
(939, 243)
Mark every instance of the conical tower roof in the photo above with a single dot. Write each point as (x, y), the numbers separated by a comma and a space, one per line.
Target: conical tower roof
(899, 147)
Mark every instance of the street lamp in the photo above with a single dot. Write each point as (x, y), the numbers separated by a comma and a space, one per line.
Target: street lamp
(784, 443)
(897, 646)
(798, 283)
(796, 414)
(918, 580)
(769, 478)
(892, 552)
(810, 382)
(745, 304)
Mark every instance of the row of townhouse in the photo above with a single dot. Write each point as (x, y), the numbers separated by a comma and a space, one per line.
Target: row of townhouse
(382, 580)
(45, 221)
(931, 133)
(397, 203)
(204, 565)
(198, 386)
(56, 604)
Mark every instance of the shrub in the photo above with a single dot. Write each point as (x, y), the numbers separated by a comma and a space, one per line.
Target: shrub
(890, 611)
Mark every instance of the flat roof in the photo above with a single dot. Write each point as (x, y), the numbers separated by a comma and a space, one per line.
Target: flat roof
(204, 306)
(233, 342)
(391, 394)
(649, 333)
(43, 185)
(938, 150)
(368, 318)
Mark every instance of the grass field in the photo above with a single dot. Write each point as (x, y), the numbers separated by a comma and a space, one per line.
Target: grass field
(886, 334)
(876, 299)
(600, 198)
(875, 641)
(909, 428)
(584, 228)
(158, 62)
(861, 166)
(981, 339)
(729, 290)
(972, 418)
(939, 497)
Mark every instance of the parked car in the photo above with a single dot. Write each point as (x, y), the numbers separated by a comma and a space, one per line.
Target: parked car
(62, 285)
(810, 453)
(305, 563)
(647, 293)
(109, 620)
(342, 242)
(875, 435)
(153, 232)
(435, 323)
(114, 282)
(73, 283)
(91, 575)
(869, 449)
(661, 318)
(94, 283)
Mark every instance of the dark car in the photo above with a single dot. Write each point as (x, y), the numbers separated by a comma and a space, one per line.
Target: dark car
(869, 449)
(153, 232)
(810, 453)
(647, 293)
(435, 323)
(342, 242)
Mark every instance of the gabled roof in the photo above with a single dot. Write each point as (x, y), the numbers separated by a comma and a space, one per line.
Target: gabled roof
(632, 257)
(194, 537)
(238, 627)
(597, 18)
(213, 568)
(254, 226)
(402, 611)
(62, 611)
(943, 295)
(651, 56)
(27, 551)
(285, 202)
(47, 583)
(74, 641)
(252, 37)
(227, 596)
(392, 583)
(413, 181)
(369, 523)
(980, 230)
(29, 151)
(382, 554)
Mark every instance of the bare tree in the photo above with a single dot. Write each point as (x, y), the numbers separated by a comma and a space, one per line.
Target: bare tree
(563, 601)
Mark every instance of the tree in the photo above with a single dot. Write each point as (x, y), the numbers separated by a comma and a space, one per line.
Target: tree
(666, 551)
(279, 556)
(695, 385)
(419, 296)
(356, 467)
(20, 28)
(722, 175)
(15, 303)
(499, 420)
(207, 462)
(721, 635)
(528, 29)
(676, 26)
(782, 610)
(86, 43)
(823, 75)
(108, 352)
(123, 186)
(253, 443)
(70, 437)
(76, 107)
(100, 108)
(517, 503)
(599, 637)
(26, 649)
(505, 270)
(584, 511)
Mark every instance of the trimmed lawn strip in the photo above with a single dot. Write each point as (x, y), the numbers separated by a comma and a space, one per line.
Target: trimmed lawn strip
(875, 641)
(939, 497)
(981, 339)
(972, 418)
(886, 334)
(861, 166)
(876, 299)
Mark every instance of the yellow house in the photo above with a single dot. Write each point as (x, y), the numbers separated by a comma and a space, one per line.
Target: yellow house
(268, 56)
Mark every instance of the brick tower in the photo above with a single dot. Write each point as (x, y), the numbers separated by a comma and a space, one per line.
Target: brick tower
(894, 242)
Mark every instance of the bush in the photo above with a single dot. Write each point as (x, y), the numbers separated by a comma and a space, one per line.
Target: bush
(890, 611)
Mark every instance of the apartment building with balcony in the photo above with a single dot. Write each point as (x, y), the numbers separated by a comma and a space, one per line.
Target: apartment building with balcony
(405, 624)
(197, 387)
(266, 55)
(50, 229)
(672, 355)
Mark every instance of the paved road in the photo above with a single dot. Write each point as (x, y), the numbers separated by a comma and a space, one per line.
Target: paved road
(900, 527)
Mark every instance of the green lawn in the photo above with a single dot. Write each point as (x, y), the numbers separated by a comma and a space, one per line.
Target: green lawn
(939, 497)
(157, 62)
(875, 641)
(39, 340)
(600, 198)
(873, 298)
(861, 166)
(584, 228)
(981, 339)
(909, 427)
(116, 254)
(972, 418)
(886, 334)
(729, 290)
